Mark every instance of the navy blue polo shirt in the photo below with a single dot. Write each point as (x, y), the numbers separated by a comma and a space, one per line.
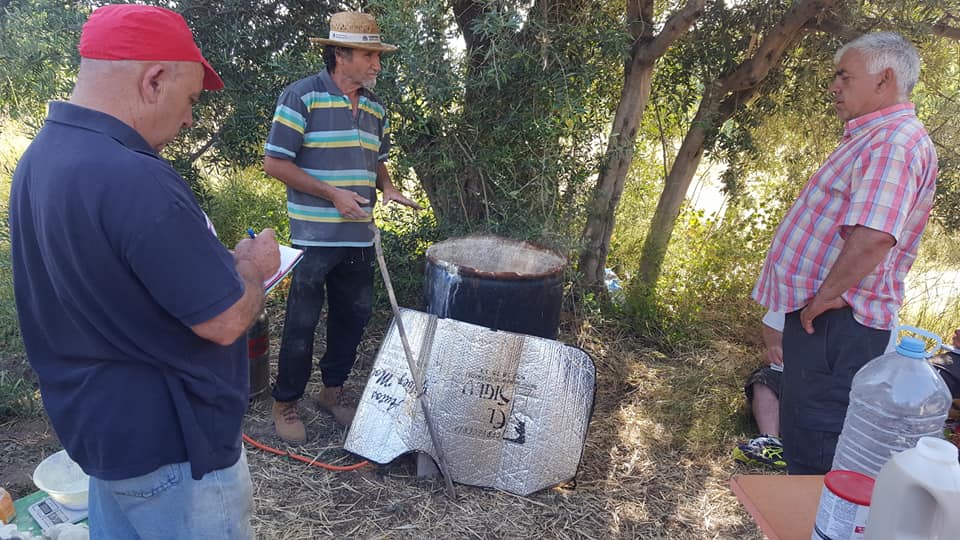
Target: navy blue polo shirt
(113, 260)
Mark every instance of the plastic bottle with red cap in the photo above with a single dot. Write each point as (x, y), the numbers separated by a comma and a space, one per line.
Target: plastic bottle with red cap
(844, 506)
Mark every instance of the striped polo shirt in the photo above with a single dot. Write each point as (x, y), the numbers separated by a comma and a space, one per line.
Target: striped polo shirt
(882, 176)
(314, 127)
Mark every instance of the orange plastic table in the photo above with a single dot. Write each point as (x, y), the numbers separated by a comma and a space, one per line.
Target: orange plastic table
(783, 506)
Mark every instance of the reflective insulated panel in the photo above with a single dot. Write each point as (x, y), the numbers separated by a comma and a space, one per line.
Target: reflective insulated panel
(511, 410)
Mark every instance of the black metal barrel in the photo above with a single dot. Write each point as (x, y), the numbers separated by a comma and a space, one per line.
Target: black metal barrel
(496, 282)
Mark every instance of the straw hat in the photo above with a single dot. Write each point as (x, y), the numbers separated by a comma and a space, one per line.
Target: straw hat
(356, 31)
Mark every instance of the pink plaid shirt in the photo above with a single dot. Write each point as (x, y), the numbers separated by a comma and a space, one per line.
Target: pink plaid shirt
(882, 176)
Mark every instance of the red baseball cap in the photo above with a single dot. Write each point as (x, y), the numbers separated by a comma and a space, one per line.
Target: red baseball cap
(135, 32)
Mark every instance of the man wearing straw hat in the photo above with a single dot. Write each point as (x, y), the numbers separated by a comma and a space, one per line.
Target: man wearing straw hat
(329, 143)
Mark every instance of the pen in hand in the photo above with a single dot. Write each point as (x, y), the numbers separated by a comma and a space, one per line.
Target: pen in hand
(263, 252)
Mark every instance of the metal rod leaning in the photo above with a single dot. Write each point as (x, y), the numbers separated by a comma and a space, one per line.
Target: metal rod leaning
(411, 365)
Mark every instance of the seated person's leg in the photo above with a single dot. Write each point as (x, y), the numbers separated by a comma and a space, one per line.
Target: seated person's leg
(763, 393)
(766, 410)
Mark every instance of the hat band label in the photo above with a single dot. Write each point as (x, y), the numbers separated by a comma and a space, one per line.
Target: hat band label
(351, 37)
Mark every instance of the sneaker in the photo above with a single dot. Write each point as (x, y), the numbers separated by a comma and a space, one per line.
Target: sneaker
(286, 419)
(331, 400)
(763, 450)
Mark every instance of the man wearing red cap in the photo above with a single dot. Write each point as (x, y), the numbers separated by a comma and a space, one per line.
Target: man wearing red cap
(131, 310)
(329, 143)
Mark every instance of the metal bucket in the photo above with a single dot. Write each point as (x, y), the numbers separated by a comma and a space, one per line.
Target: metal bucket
(258, 353)
(495, 282)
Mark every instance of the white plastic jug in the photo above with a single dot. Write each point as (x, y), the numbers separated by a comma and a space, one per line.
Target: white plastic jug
(917, 495)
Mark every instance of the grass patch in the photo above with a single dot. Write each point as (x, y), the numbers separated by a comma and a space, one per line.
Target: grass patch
(11, 343)
(19, 397)
(244, 198)
(12, 145)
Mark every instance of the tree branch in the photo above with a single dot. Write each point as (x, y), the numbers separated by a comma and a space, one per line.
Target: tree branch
(832, 27)
(774, 44)
(676, 26)
(206, 146)
(942, 28)
(465, 12)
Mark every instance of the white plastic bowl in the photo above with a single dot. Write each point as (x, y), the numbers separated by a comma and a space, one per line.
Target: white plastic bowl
(63, 480)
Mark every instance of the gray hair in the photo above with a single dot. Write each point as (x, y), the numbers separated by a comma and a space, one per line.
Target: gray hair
(882, 50)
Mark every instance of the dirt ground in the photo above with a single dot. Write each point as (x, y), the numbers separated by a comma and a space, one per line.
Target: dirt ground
(24, 441)
(23, 445)
(645, 471)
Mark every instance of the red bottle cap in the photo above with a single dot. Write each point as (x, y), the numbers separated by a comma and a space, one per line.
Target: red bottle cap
(850, 486)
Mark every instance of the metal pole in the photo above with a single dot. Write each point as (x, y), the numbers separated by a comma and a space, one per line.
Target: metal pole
(411, 365)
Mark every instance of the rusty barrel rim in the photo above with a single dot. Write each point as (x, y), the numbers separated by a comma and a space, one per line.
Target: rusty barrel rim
(454, 254)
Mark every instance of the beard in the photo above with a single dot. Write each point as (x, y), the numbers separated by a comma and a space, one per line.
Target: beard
(370, 83)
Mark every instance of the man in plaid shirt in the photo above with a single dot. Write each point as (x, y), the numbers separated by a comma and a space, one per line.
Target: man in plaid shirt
(839, 258)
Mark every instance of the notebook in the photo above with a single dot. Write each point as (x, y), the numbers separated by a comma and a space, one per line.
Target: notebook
(289, 257)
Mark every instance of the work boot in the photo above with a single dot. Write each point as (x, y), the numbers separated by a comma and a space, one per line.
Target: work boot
(287, 421)
(331, 400)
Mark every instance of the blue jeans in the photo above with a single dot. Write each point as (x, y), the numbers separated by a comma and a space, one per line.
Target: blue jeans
(169, 504)
(346, 276)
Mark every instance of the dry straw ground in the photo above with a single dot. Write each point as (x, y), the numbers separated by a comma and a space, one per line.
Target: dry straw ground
(656, 463)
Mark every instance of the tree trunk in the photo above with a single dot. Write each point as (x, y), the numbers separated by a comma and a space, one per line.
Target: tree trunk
(723, 98)
(475, 192)
(637, 76)
(674, 191)
(619, 156)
